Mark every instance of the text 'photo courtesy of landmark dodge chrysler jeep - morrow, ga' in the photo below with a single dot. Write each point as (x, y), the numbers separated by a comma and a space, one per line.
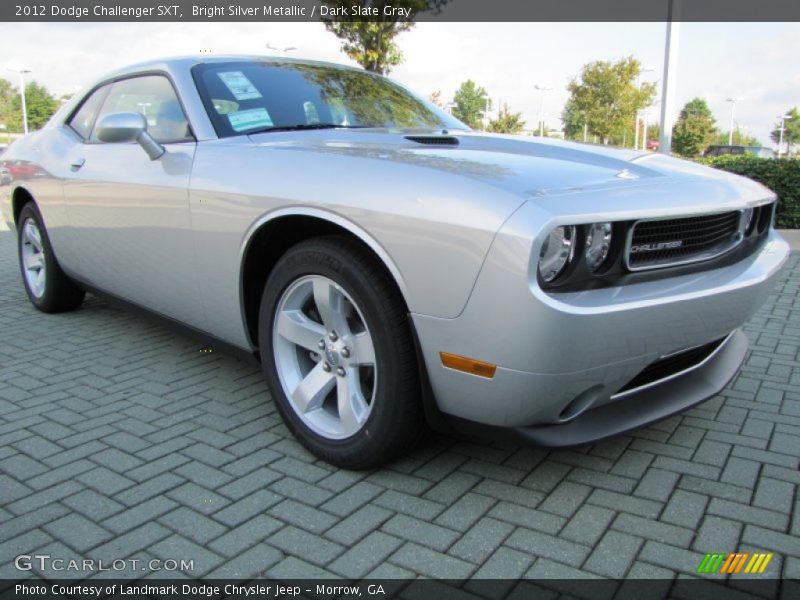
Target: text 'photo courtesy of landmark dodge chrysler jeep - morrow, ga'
(387, 265)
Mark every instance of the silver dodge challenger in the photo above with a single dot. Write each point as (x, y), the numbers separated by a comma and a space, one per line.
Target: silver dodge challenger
(389, 267)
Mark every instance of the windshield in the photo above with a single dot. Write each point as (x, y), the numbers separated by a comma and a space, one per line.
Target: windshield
(249, 97)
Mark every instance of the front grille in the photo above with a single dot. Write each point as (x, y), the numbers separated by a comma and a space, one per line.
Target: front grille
(672, 364)
(667, 242)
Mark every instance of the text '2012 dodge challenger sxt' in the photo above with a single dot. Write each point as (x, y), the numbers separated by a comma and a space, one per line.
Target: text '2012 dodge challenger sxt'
(387, 265)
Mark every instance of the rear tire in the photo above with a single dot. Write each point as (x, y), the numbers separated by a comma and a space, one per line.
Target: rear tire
(48, 287)
(337, 353)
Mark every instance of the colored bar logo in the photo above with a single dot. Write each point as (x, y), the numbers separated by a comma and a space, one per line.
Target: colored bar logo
(734, 563)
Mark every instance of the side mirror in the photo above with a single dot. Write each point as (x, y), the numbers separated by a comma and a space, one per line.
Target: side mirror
(126, 127)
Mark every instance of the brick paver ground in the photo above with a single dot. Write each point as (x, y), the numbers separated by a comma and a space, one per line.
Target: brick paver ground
(119, 438)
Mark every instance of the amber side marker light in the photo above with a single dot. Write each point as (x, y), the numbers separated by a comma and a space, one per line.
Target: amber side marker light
(468, 365)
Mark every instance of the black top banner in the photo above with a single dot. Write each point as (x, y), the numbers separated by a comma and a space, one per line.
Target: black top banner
(400, 10)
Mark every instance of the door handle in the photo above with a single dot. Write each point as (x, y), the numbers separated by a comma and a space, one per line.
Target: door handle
(77, 164)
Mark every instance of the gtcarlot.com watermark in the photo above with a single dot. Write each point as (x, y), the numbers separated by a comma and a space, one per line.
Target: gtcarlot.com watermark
(45, 562)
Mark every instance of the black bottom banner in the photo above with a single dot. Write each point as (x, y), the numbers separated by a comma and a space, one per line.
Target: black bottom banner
(389, 589)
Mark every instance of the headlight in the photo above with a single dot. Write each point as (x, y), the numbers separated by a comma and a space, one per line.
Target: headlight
(556, 253)
(598, 243)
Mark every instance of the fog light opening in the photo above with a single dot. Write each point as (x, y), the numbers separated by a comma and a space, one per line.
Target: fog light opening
(579, 404)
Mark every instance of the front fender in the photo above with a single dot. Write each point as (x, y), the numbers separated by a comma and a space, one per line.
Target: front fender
(432, 230)
(335, 219)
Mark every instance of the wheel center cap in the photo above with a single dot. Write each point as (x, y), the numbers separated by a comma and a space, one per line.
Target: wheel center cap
(331, 355)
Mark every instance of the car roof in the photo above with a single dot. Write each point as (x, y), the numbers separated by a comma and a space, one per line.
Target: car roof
(184, 63)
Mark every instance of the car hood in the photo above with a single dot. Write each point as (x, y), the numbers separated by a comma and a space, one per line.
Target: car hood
(529, 166)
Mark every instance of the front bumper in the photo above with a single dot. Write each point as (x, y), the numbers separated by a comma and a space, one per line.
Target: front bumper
(647, 404)
(555, 350)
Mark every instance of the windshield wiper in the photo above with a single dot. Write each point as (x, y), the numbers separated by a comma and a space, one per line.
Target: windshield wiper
(306, 126)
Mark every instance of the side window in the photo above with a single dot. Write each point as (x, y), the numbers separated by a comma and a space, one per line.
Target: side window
(153, 97)
(83, 120)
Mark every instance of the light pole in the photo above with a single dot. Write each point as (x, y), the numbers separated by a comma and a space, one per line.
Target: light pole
(639, 87)
(644, 132)
(283, 51)
(21, 73)
(782, 129)
(542, 89)
(670, 77)
(732, 100)
(487, 106)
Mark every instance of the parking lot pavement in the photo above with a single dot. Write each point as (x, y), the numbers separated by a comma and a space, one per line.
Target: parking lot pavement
(120, 438)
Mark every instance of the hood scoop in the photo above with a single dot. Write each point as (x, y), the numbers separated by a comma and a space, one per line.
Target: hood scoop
(434, 140)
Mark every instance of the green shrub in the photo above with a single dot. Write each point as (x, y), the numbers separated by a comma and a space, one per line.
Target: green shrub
(782, 176)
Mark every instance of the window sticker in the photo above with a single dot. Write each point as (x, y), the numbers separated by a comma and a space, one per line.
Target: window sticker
(249, 119)
(239, 85)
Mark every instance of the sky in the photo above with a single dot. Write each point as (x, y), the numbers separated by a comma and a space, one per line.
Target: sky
(754, 62)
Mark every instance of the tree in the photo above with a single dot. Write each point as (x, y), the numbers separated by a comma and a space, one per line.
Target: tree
(470, 102)
(739, 139)
(791, 130)
(436, 98)
(506, 122)
(7, 111)
(608, 97)
(40, 105)
(573, 120)
(695, 129)
(367, 40)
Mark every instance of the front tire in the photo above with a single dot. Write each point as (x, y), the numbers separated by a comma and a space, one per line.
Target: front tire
(48, 287)
(338, 356)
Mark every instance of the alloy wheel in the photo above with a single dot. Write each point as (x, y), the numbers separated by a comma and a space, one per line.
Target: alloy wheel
(33, 258)
(325, 357)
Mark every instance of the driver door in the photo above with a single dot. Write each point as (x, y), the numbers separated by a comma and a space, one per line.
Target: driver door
(129, 215)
